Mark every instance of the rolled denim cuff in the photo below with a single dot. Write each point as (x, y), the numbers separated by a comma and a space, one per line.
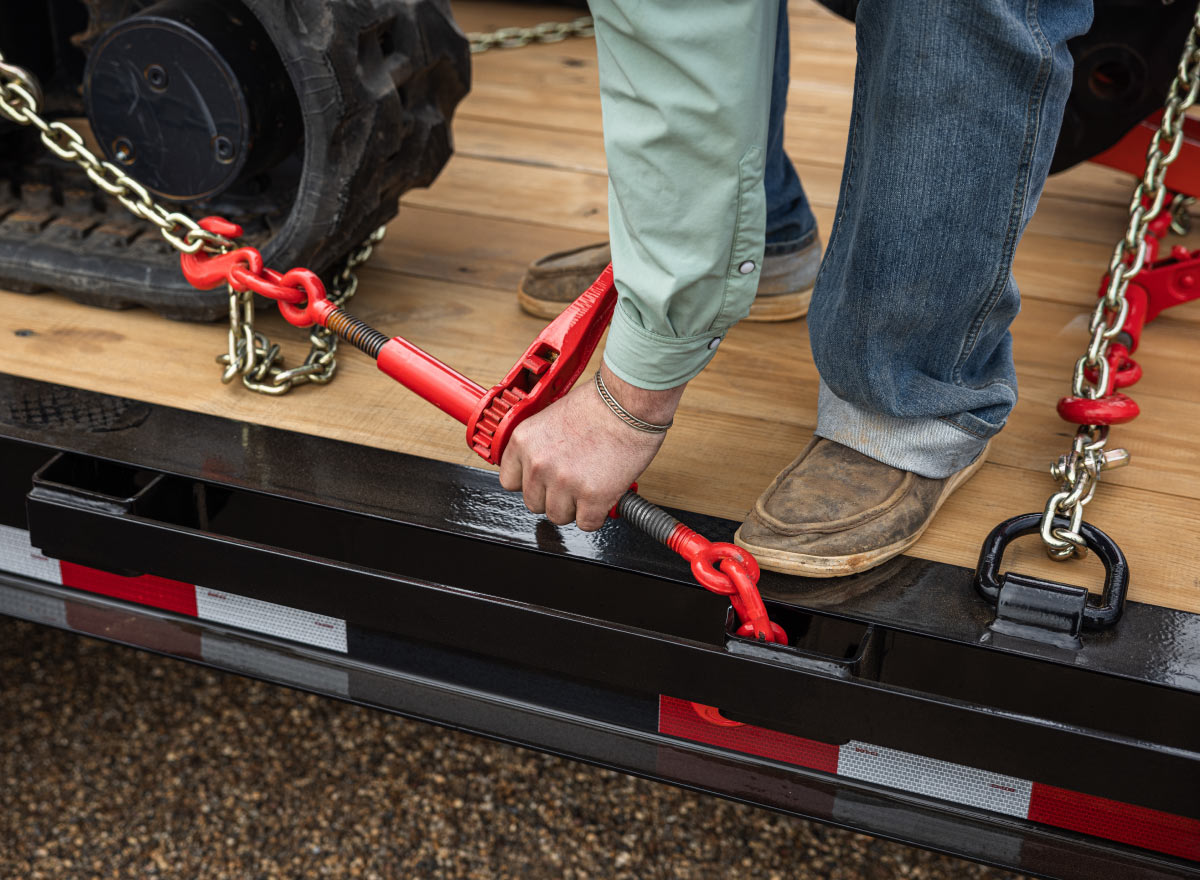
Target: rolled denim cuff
(932, 448)
(794, 241)
(654, 362)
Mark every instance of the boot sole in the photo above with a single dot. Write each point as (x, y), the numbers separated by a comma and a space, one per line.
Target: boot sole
(773, 308)
(540, 308)
(780, 306)
(839, 566)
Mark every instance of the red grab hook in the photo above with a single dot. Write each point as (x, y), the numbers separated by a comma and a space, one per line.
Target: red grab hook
(1163, 283)
(204, 271)
(1116, 409)
(737, 576)
(300, 293)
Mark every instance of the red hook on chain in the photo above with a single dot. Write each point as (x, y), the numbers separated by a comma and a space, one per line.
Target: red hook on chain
(300, 293)
(1123, 370)
(721, 568)
(1112, 407)
(736, 578)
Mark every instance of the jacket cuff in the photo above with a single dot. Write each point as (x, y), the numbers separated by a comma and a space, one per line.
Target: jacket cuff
(656, 362)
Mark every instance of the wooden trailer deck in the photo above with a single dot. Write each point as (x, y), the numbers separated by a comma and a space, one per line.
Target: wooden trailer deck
(529, 177)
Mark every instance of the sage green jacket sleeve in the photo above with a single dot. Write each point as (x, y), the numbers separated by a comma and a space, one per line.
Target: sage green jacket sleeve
(685, 91)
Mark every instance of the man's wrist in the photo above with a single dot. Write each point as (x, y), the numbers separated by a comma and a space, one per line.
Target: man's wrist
(656, 407)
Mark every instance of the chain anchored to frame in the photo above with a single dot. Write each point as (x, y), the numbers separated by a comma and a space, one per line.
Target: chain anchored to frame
(1105, 365)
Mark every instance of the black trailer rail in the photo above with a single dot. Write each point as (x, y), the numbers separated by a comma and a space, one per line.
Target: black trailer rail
(422, 588)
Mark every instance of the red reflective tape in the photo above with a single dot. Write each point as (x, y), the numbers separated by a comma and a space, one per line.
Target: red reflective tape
(1113, 820)
(146, 589)
(1087, 814)
(678, 718)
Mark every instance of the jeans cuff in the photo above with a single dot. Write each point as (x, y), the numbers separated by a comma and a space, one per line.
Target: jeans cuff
(795, 242)
(931, 448)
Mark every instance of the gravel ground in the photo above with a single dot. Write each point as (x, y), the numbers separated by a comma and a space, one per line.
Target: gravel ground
(116, 763)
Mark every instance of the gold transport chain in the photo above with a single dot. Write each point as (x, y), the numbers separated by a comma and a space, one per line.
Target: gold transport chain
(515, 37)
(258, 360)
(1078, 471)
(20, 98)
(250, 353)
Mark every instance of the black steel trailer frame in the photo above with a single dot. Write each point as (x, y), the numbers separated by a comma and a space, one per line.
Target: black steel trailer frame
(898, 710)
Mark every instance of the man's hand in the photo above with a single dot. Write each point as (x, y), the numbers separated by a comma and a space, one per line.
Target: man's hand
(574, 459)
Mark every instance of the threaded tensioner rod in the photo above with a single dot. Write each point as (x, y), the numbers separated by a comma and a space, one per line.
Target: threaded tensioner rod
(357, 332)
(648, 517)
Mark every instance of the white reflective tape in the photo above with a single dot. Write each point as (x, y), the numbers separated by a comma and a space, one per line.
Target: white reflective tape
(18, 556)
(939, 779)
(296, 671)
(30, 606)
(274, 620)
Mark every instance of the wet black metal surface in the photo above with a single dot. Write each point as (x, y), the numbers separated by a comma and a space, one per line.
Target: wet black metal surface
(569, 718)
(439, 553)
(1151, 643)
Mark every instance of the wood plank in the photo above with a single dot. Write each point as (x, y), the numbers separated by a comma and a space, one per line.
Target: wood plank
(501, 141)
(556, 86)
(547, 196)
(564, 198)
(1062, 255)
(487, 250)
(560, 93)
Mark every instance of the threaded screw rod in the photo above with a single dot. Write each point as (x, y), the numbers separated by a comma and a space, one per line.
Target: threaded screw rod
(357, 332)
(647, 517)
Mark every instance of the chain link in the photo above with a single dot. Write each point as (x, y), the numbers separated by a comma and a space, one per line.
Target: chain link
(1078, 471)
(515, 37)
(1181, 216)
(251, 354)
(260, 362)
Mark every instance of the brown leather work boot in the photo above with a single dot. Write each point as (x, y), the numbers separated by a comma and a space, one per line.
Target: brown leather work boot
(834, 511)
(554, 281)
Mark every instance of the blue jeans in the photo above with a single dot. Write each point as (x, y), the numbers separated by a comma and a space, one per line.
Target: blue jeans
(957, 108)
(791, 225)
(956, 112)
